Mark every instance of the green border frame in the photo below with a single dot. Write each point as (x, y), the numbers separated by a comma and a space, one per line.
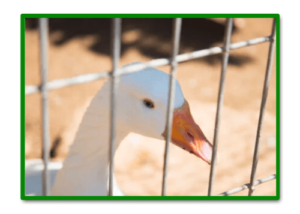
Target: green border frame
(22, 98)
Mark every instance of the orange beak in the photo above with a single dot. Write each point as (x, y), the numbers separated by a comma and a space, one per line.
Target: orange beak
(188, 135)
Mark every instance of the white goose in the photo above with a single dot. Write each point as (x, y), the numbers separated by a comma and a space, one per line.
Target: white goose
(141, 106)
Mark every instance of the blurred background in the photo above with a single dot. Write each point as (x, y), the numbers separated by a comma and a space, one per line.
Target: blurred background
(82, 46)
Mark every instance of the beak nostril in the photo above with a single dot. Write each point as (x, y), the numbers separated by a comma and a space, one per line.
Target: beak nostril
(190, 136)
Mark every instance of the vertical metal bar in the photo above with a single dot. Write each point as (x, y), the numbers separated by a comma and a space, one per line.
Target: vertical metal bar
(263, 106)
(227, 39)
(116, 47)
(176, 39)
(43, 31)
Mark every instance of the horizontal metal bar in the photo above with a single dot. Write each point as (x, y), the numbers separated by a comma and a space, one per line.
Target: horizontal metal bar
(217, 50)
(31, 89)
(192, 55)
(56, 84)
(246, 186)
(250, 42)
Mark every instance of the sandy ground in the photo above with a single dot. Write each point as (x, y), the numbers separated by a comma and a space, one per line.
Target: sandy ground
(82, 46)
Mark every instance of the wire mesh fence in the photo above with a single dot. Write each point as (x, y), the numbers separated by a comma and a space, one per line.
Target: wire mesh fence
(173, 62)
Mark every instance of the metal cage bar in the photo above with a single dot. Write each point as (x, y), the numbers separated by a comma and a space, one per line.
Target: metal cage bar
(116, 72)
(263, 106)
(227, 39)
(176, 43)
(116, 47)
(43, 33)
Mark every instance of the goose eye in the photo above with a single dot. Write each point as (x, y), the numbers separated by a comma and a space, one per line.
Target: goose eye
(148, 103)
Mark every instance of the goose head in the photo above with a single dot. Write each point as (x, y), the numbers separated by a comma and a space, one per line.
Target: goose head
(142, 101)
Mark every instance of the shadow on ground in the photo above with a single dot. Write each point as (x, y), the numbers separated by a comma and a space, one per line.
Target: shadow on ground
(152, 37)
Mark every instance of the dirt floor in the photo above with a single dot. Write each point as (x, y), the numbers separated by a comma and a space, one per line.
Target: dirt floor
(81, 46)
